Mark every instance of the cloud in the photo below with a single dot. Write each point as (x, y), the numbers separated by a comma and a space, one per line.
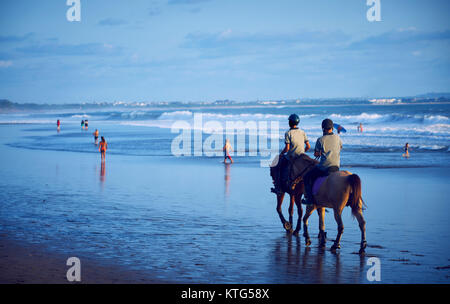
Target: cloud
(154, 11)
(230, 43)
(5, 64)
(112, 22)
(84, 49)
(186, 2)
(400, 36)
(15, 39)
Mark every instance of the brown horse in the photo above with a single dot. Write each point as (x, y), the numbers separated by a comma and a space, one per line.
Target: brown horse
(340, 189)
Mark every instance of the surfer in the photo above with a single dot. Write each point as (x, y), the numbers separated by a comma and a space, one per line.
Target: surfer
(328, 149)
(296, 143)
(103, 146)
(96, 136)
(226, 151)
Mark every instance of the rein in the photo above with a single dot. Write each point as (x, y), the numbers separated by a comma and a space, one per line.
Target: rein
(300, 176)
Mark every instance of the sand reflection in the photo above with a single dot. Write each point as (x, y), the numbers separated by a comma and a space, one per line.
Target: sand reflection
(103, 172)
(227, 179)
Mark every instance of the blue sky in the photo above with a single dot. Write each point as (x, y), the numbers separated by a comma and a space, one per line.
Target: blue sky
(203, 50)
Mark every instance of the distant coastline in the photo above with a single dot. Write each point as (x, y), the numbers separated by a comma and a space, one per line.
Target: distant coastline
(7, 106)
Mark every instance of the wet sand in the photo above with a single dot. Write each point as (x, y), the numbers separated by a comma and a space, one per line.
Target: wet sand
(22, 263)
(194, 220)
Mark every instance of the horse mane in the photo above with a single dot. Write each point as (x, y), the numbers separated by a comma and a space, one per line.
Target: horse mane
(308, 161)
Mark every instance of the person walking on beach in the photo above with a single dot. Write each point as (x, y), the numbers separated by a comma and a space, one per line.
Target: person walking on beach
(82, 124)
(328, 149)
(96, 136)
(406, 148)
(103, 146)
(296, 143)
(226, 151)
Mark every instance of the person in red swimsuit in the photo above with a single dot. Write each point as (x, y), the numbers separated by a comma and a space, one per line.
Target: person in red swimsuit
(102, 147)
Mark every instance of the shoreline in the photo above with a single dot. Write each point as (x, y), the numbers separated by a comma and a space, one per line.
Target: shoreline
(23, 263)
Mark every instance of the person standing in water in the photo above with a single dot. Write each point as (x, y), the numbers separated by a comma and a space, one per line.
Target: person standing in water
(360, 127)
(103, 146)
(96, 136)
(406, 154)
(226, 151)
(58, 124)
(86, 124)
(82, 124)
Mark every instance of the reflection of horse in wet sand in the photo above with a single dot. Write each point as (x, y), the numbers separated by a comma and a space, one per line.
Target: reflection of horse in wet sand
(338, 190)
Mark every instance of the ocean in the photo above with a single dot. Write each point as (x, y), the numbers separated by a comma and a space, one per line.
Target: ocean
(147, 131)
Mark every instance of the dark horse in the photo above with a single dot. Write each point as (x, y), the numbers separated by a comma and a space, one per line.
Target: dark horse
(340, 189)
(295, 192)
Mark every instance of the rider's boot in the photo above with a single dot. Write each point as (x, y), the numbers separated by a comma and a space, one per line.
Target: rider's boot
(308, 197)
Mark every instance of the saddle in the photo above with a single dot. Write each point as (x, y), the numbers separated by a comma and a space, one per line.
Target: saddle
(317, 183)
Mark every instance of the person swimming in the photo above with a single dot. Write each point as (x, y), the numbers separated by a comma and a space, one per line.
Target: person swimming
(226, 151)
(103, 146)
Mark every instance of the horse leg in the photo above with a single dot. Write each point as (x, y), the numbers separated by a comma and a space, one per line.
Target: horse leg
(298, 202)
(362, 226)
(338, 218)
(285, 223)
(322, 233)
(309, 210)
(291, 212)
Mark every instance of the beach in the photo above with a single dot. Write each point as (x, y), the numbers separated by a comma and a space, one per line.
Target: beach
(159, 218)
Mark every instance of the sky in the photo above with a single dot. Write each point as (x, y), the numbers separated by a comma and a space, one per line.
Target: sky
(206, 50)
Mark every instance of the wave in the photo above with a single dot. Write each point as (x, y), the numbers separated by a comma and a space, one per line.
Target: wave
(395, 117)
(180, 115)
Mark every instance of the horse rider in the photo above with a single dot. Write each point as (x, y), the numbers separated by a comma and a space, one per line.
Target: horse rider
(328, 149)
(296, 143)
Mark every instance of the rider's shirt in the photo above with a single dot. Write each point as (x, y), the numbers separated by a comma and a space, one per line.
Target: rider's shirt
(329, 146)
(296, 138)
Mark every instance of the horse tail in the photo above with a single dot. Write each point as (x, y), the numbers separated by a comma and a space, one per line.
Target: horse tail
(355, 196)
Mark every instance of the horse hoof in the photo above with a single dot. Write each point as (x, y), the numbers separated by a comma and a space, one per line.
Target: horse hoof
(335, 246)
(296, 233)
(308, 242)
(287, 226)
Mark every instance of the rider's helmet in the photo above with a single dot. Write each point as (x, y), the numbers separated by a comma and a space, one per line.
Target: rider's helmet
(294, 119)
(327, 124)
